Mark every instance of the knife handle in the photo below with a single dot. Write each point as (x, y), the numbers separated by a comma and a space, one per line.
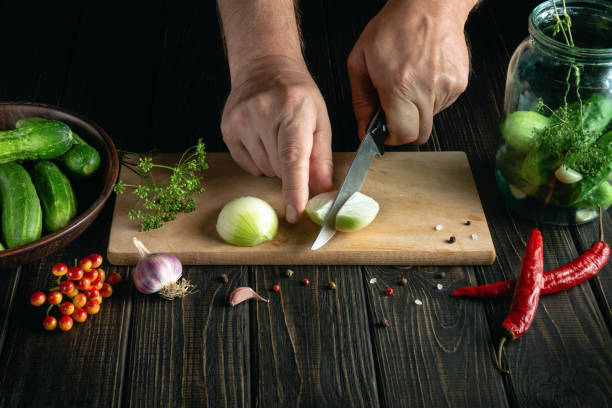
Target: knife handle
(377, 128)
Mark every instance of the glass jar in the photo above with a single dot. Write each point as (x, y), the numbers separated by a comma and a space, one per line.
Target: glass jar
(554, 161)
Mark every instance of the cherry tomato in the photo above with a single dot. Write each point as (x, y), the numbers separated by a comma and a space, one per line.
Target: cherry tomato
(98, 299)
(305, 282)
(106, 291)
(79, 300)
(85, 264)
(84, 283)
(50, 323)
(38, 298)
(389, 291)
(97, 284)
(101, 274)
(79, 315)
(91, 274)
(66, 287)
(96, 260)
(276, 288)
(73, 293)
(65, 323)
(92, 307)
(74, 273)
(54, 298)
(114, 278)
(91, 293)
(59, 269)
(66, 308)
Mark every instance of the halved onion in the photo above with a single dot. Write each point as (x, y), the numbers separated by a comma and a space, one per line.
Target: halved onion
(247, 221)
(356, 213)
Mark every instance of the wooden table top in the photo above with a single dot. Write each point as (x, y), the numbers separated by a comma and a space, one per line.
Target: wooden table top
(155, 76)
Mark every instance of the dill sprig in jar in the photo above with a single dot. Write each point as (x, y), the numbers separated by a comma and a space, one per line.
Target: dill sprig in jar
(554, 163)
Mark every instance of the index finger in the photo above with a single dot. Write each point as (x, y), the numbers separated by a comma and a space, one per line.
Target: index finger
(294, 148)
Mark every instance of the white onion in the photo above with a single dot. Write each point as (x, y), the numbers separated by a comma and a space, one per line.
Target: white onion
(247, 221)
(356, 213)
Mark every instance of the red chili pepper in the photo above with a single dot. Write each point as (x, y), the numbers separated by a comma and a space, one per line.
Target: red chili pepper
(569, 275)
(526, 293)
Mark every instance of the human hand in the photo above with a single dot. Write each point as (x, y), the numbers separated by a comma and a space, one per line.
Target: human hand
(275, 123)
(412, 56)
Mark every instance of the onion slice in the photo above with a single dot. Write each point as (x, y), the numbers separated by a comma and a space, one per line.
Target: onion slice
(356, 213)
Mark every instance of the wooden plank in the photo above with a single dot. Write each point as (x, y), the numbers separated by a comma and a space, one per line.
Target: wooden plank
(8, 287)
(195, 350)
(114, 67)
(37, 58)
(313, 343)
(601, 285)
(416, 192)
(568, 334)
(80, 367)
(436, 345)
(192, 81)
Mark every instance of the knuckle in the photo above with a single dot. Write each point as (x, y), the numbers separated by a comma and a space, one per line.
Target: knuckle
(290, 155)
(292, 97)
(352, 62)
(261, 105)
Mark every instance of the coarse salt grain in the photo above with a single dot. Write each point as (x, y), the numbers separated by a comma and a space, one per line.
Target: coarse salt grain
(439, 286)
(372, 281)
(418, 302)
(474, 236)
(439, 227)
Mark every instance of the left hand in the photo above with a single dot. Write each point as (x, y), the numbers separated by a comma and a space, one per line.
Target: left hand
(412, 56)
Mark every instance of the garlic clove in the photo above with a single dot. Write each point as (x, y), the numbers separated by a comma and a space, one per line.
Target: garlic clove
(243, 293)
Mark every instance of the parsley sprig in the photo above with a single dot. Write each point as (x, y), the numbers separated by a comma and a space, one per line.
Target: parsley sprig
(159, 203)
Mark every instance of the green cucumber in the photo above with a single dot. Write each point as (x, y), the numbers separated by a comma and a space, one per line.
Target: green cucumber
(21, 211)
(81, 161)
(596, 113)
(56, 195)
(537, 168)
(519, 129)
(46, 140)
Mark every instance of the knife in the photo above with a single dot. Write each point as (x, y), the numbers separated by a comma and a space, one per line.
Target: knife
(372, 144)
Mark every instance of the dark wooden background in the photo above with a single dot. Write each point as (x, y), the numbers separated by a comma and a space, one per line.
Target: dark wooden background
(154, 75)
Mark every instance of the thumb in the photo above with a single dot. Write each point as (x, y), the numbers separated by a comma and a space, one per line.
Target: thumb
(365, 99)
(294, 147)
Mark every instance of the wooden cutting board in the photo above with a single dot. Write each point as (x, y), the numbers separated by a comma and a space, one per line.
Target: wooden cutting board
(416, 191)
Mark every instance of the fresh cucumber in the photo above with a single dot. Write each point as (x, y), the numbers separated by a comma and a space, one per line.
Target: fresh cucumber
(56, 195)
(519, 129)
(46, 140)
(81, 161)
(21, 211)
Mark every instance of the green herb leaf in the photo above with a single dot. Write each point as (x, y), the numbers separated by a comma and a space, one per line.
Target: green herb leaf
(159, 203)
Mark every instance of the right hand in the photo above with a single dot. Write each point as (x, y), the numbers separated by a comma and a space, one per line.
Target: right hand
(275, 123)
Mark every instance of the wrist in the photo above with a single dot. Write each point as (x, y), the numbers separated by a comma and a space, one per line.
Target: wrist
(266, 66)
(455, 12)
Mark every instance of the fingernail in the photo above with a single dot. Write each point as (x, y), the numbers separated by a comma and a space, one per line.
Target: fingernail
(291, 213)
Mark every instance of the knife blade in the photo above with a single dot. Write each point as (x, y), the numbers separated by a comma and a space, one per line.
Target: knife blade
(372, 144)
